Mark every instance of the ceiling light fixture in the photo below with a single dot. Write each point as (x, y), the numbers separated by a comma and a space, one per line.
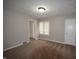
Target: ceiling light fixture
(41, 9)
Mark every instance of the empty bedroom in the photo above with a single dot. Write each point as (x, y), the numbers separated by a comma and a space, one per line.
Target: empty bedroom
(39, 29)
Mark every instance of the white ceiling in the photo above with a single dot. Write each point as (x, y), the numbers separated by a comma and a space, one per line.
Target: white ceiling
(54, 7)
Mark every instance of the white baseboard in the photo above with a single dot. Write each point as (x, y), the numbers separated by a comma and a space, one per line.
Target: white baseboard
(62, 42)
(59, 42)
(12, 47)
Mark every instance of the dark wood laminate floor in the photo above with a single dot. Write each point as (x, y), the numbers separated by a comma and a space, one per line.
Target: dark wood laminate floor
(41, 49)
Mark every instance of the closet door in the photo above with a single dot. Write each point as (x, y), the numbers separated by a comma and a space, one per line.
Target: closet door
(70, 31)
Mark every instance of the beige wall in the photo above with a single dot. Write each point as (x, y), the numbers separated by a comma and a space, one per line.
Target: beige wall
(14, 31)
(16, 28)
(56, 29)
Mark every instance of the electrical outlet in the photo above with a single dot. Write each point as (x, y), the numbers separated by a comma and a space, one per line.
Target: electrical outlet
(24, 43)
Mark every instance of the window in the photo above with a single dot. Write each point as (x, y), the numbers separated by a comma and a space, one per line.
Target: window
(44, 27)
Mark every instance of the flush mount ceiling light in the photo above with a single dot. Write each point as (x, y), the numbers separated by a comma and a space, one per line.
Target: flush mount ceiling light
(41, 9)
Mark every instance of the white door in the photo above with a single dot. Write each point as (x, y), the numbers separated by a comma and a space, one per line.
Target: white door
(33, 29)
(70, 31)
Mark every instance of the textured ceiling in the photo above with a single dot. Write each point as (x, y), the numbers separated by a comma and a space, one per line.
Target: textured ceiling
(54, 7)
